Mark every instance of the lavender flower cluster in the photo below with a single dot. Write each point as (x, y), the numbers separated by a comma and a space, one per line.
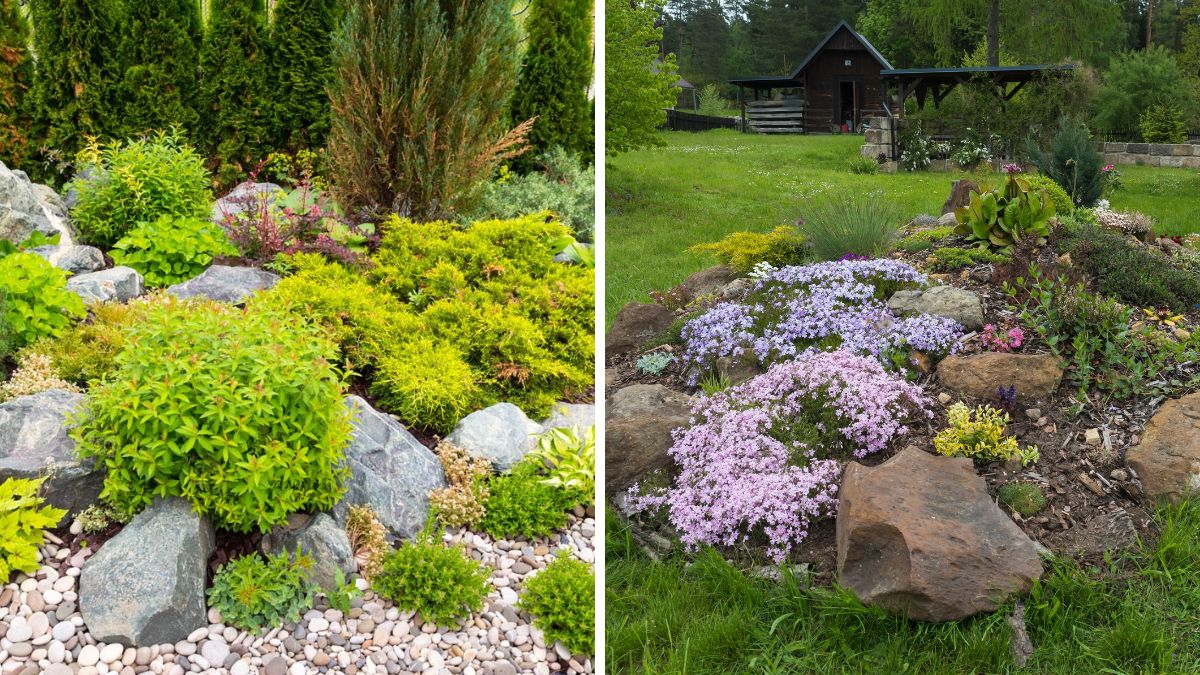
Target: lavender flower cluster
(831, 305)
(744, 470)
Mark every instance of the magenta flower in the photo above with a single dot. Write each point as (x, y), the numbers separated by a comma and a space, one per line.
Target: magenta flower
(1108, 168)
(1012, 169)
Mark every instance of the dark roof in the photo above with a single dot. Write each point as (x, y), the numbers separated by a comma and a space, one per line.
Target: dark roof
(1001, 71)
(776, 80)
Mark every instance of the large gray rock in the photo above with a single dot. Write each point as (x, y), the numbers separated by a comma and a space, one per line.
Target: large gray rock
(571, 415)
(500, 433)
(319, 537)
(225, 284)
(119, 284)
(145, 586)
(34, 443)
(949, 301)
(21, 212)
(244, 197)
(390, 471)
(72, 258)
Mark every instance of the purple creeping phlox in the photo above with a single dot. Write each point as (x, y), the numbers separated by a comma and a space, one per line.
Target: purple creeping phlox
(822, 307)
(747, 464)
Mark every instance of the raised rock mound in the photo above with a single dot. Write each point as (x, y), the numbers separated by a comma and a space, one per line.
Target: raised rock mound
(72, 258)
(225, 284)
(951, 302)
(34, 443)
(980, 375)
(635, 324)
(1168, 457)
(919, 536)
(637, 432)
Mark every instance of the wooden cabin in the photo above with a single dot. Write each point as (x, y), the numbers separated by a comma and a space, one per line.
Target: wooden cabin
(836, 87)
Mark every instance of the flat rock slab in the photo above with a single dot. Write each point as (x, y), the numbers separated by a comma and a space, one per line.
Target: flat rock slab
(635, 325)
(390, 471)
(319, 537)
(34, 443)
(145, 586)
(919, 536)
(225, 284)
(951, 302)
(499, 433)
(119, 284)
(638, 423)
(1168, 457)
(1035, 376)
(571, 416)
(72, 258)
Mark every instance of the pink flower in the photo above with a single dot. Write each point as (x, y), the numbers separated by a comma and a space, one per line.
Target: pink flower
(1108, 168)
(1012, 169)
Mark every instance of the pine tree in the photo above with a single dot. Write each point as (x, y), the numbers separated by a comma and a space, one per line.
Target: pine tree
(160, 51)
(16, 76)
(554, 79)
(301, 40)
(236, 106)
(75, 90)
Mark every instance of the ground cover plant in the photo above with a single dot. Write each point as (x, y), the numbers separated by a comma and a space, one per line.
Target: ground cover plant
(171, 250)
(254, 593)
(24, 520)
(440, 583)
(36, 300)
(522, 502)
(562, 599)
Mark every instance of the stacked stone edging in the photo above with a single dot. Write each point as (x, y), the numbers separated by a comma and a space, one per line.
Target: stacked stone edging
(1177, 155)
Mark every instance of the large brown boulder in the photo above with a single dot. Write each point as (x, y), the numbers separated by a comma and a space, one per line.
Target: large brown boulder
(1168, 457)
(919, 536)
(706, 282)
(980, 375)
(960, 195)
(637, 432)
(635, 324)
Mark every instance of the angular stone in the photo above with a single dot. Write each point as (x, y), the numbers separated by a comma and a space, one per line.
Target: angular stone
(979, 375)
(73, 259)
(225, 284)
(948, 301)
(119, 284)
(390, 471)
(322, 539)
(739, 370)
(21, 209)
(637, 432)
(145, 586)
(706, 282)
(34, 443)
(571, 415)
(635, 325)
(499, 433)
(246, 196)
(960, 195)
(919, 536)
(1138, 148)
(1167, 459)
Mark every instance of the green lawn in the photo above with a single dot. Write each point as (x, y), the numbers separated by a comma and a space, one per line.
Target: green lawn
(701, 186)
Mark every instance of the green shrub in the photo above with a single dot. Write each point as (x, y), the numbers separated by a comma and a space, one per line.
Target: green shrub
(1006, 215)
(1134, 274)
(569, 456)
(864, 166)
(1024, 498)
(562, 600)
(710, 101)
(171, 250)
(780, 247)
(440, 583)
(864, 226)
(124, 183)
(1072, 161)
(979, 434)
(6, 336)
(37, 302)
(1138, 79)
(1058, 196)
(23, 520)
(253, 594)
(924, 239)
(564, 187)
(238, 411)
(951, 259)
(521, 502)
(1162, 124)
(16, 78)
(87, 351)
(301, 40)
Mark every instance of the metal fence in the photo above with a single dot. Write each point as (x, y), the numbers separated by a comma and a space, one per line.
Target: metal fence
(681, 120)
(1135, 136)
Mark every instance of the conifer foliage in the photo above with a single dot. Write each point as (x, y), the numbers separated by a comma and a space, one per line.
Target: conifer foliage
(16, 76)
(302, 35)
(160, 51)
(236, 108)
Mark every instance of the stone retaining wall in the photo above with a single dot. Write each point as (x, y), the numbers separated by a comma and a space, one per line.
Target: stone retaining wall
(1179, 155)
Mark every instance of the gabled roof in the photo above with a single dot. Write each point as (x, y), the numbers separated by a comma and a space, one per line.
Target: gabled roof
(762, 80)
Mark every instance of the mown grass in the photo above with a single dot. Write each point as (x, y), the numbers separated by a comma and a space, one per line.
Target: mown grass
(699, 614)
(702, 186)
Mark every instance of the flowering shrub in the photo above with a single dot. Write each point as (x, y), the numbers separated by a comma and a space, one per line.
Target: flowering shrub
(1009, 338)
(919, 149)
(35, 373)
(979, 434)
(822, 307)
(761, 458)
(1137, 224)
(973, 149)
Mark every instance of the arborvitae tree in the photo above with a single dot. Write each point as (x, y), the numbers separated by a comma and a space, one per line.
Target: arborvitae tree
(554, 79)
(16, 76)
(160, 50)
(419, 92)
(75, 88)
(236, 102)
(301, 39)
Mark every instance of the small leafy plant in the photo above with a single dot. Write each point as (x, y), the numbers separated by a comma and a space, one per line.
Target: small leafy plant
(440, 583)
(37, 302)
(562, 600)
(952, 259)
(570, 457)
(654, 363)
(461, 503)
(1007, 338)
(23, 520)
(35, 372)
(252, 593)
(979, 434)
(1024, 498)
(1004, 216)
(342, 593)
(171, 249)
(521, 503)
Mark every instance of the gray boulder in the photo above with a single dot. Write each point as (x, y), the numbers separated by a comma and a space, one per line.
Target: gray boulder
(319, 537)
(119, 284)
(21, 212)
(145, 586)
(72, 258)
(34, 443)
(571, 415)
(225, 284)
(390, 472)
(501, 434)
(949, 301)
(244, 197)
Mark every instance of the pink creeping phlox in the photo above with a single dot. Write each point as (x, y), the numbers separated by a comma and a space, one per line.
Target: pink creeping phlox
(1009, 338)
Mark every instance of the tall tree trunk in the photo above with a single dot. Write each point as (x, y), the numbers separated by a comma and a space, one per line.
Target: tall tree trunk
(1149, 23)
(993, 34)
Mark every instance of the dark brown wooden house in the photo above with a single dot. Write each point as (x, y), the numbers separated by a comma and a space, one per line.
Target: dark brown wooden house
(836, 86)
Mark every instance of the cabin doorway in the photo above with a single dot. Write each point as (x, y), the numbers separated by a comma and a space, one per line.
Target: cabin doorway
(849, 108)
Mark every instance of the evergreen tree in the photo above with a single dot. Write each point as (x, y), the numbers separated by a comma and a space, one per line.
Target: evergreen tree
(554, 79)
(160, 51)
(16, 76)
(236, 108)
(301, 39)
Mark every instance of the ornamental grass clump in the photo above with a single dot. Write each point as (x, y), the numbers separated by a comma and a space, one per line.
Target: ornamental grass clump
(761, 461)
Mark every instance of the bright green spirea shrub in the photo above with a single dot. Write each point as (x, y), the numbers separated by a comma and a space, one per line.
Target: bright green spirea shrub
(238, 411)
(780, 247)
(123, 183)
(440, 583)
(564, 186)
(1058, 196)
(521, 502)
(171, 250)
(23, 520)
(36, 300)
(252, 593)
(562, 600)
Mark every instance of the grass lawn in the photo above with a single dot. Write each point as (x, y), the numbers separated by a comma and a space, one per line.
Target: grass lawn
(701, 186)
(704, 616)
